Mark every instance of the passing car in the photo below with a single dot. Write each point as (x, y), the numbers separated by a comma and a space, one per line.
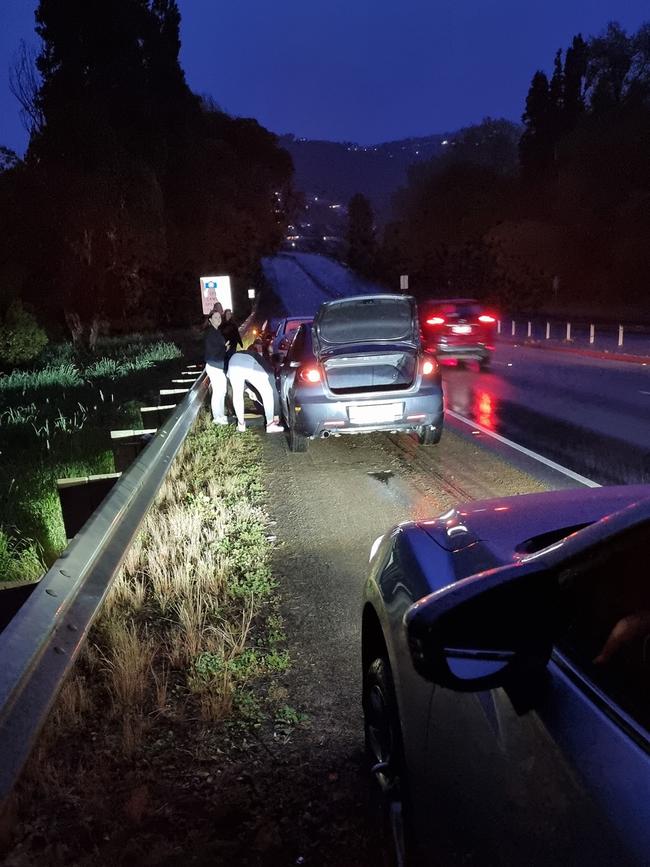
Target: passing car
(284, 334)
(506, 681)
(360, 368)
(458, 329)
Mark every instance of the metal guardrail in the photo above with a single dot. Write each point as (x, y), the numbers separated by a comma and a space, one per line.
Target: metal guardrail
(39, 646)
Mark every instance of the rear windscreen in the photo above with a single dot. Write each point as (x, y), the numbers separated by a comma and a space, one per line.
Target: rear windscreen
(462, 311)
(365, 320)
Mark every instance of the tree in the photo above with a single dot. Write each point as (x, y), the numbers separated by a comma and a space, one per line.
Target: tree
(537, 144)
(575, 70)
(361, 235)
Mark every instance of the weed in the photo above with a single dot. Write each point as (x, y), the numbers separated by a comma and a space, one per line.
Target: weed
(289, 716)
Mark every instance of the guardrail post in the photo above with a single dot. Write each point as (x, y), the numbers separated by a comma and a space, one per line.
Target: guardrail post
(513, 328)
(548, 330)
(154, 416)
(530, 328)
(127, 445)
(80, 497)
(620, 335)
(568, 331)
(592, 333)
(498, 326)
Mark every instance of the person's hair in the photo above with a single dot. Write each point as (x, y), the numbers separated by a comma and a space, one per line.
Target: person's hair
(227, 314)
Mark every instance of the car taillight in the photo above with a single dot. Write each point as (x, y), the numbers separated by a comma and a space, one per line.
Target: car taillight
(309, 374)
(487, 319)
(436, 320)
(429, 366)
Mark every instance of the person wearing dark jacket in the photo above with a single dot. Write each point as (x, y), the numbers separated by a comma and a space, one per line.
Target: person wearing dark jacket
(215, 356)
(251, 368)
(231, 335)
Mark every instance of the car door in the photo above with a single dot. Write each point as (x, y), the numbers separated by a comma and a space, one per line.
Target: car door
(288, 368)
(557, 771)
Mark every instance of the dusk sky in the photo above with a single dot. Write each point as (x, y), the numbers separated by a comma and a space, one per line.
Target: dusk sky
(358, 70)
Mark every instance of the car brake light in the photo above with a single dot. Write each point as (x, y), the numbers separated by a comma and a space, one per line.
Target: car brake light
(429, 366)
(310, 374)
(486, 318)
(436, 320)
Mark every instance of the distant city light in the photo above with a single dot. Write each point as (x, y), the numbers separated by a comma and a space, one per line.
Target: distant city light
(445, 141)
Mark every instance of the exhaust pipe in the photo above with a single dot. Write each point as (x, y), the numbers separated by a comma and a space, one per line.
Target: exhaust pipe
(325, 434)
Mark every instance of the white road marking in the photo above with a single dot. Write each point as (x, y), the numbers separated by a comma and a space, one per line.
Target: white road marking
(583, 480)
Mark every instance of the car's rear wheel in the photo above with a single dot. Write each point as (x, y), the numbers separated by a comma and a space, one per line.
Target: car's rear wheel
(297, 442)
(385, 754)
(428, 435)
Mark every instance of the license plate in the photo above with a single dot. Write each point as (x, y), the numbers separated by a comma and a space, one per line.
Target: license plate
(376, 413)
(462, 329)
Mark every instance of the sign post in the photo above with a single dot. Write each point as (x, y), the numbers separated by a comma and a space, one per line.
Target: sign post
(404, 283)
(213, 290)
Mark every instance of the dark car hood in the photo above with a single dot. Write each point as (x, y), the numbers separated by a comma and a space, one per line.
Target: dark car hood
(511, 527)
(367, 319)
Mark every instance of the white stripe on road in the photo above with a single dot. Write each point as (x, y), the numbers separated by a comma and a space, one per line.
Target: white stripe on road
(583, 480)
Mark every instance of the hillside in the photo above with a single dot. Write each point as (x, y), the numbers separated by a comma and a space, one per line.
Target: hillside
(338, 170)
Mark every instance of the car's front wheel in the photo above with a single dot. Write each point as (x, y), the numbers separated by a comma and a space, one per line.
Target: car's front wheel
(428, 435)
(385, 753)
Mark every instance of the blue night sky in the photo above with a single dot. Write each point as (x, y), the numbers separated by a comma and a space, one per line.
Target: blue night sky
(358, 70)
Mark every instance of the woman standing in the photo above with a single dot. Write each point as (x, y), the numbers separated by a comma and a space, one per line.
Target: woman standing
(231, 335)
(215, 356)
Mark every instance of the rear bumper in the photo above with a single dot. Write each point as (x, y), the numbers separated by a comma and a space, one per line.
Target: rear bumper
(318, 415)
(469, 352)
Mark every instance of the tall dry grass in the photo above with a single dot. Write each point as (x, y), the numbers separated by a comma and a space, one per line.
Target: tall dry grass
(174, 635)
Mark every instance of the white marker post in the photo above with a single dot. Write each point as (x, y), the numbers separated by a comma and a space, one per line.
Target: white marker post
(404, 283)
(620, 335)
(592, 333)
(548, 330)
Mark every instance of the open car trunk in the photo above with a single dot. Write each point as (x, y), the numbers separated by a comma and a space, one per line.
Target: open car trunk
(371, 369)
(368, 343)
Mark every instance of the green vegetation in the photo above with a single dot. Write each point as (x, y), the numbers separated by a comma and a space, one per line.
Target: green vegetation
(550, 214)
(189, 636)
(54, 423)
(21, 338)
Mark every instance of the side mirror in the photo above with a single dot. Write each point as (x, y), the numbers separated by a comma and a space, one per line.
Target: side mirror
(487, 630)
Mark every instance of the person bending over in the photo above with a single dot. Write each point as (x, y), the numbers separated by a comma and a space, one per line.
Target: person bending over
(252, 369)
(231, 334)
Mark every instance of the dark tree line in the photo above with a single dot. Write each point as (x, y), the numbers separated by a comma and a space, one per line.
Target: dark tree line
(507, 212)
(132, 186)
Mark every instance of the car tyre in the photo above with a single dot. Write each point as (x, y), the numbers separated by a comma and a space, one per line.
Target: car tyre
(297, 442)
(429, 436)
(484, 364)
(385, 754)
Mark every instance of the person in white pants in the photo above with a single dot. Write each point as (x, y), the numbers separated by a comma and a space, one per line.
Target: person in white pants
(249, 368)
(215, 353)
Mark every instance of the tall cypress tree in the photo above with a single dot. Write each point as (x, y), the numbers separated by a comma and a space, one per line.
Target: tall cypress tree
(361, 235)
(536, 147)
(575, 70)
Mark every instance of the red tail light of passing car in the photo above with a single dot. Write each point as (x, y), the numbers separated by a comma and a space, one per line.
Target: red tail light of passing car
(436, 320)
(488, 320)
(309, 374)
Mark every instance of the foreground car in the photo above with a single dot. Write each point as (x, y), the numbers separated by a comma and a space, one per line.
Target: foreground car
(458, 329)
(360, 369)
(506, 681)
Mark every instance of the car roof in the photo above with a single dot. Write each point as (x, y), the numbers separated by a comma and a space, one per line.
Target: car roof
(452, 301)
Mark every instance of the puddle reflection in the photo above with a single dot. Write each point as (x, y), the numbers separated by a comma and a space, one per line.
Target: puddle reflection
(471, 395)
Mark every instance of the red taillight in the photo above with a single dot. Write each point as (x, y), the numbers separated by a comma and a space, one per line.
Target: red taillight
(436, 320)
(487, 319)
(309, 374)
(429, 366)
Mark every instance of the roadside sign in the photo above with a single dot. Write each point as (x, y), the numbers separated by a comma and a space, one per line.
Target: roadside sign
(251, 293)
(215, 289)
(404, 283)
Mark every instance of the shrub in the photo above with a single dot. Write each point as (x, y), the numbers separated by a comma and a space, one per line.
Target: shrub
(21, 337)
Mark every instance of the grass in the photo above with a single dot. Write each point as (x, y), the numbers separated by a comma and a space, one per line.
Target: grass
(189, 629)
(54, 423)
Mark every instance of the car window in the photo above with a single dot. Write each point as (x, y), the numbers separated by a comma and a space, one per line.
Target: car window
(607, 630)
(462, 311)
(298, 344)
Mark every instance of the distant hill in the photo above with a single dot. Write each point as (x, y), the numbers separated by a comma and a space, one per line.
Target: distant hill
(338, 170)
